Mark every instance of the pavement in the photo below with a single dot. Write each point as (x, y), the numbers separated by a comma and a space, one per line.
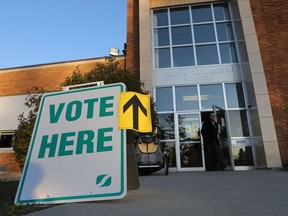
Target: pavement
(219, 193)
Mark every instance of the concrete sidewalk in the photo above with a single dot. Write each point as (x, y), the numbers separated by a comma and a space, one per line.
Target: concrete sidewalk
(257, 192)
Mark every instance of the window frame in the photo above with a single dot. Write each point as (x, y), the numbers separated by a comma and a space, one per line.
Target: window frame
(2, 133)
(226, 19)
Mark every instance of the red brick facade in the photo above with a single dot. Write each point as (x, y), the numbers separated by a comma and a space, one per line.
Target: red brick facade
(50, 76)
(8, 159)
(132, 56)
(271, 23)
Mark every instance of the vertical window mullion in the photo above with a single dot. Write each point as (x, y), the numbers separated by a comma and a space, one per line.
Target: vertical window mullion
(199, 97)
(216, 35)
(224, 95)
(174, 98)
(193, 38)
(153, 41)
(170, 39)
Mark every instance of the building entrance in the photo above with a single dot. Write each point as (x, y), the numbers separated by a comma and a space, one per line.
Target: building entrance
(180, 107)
(211, 163)
(189, 145)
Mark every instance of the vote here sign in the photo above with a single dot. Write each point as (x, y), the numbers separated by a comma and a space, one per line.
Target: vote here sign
(76, 151)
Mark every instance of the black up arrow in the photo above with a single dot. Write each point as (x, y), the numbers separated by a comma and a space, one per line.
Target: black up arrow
(135, 102)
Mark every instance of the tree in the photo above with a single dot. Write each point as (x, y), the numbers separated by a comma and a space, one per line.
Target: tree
(109, 72)
(22, 136)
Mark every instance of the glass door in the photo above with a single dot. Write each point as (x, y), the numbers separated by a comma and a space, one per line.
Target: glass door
(223, 135)
(190, 151)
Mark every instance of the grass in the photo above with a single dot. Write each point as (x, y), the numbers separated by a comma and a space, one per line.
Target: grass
(8, 191)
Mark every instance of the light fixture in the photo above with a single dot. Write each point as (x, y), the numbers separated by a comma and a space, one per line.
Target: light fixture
(114, 52)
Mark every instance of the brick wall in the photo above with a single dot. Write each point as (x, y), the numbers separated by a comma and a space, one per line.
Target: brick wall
(9, 160)
(271, 23)
(132, 56)
(50, 76)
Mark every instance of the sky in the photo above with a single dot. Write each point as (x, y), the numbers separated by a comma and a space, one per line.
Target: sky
(36, 32)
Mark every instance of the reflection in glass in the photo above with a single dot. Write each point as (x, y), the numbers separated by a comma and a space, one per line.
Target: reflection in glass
(221, 120)
(238, 123)
(161, 37)
(224, 31)
(183, 56)
(160, 18)
(181, 35)
(211, 95)
(191, 155)
(243, 156)
(239, 30)
(179, 15)
(202, 14)
(242, 51)
(164, 100)
(207, 54)
(221, 12)
(189, 125)
(234, 95)
(168, 148)
(204, 33)
(166, 122)
(186, 98)
(228, 53)
(162, 58)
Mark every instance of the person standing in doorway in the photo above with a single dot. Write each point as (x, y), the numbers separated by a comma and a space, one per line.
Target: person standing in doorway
(213, 154)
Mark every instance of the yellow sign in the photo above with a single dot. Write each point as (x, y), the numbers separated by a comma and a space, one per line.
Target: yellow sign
(134, 112)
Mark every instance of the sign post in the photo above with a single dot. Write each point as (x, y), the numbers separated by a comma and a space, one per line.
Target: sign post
(76, 152)
(134, 114)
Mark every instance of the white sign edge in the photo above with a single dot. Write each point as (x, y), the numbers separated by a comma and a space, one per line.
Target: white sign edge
(80, 198)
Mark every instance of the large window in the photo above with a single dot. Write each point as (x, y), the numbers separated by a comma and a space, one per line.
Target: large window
(201, 97)
(193, 35)
(174, 102)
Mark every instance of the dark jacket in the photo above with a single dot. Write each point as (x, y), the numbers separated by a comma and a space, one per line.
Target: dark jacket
(210, 133)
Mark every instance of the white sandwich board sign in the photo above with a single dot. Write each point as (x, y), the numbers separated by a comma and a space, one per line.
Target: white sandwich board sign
(76, 152)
